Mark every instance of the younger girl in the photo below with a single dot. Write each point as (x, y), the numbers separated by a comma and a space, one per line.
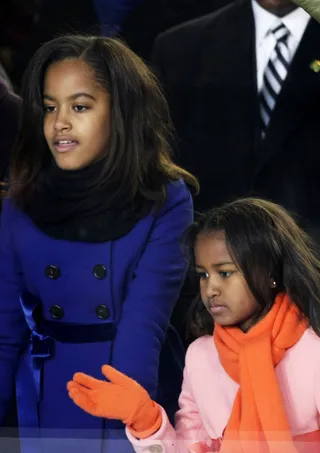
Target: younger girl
(255, 385)
(90, 256)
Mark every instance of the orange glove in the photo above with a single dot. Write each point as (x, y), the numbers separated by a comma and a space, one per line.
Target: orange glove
(122, 399)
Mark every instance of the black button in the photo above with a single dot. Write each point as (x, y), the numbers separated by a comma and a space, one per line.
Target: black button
(103, 312)
(53, 272)
(100, 271)
(56, 312)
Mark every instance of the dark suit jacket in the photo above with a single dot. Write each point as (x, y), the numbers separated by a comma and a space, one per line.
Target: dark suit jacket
(208, 67)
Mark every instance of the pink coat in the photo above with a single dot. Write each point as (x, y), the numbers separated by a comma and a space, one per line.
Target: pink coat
(208, 394)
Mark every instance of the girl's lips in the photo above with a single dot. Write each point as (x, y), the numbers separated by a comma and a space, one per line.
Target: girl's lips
(64, 147)
(217, 309)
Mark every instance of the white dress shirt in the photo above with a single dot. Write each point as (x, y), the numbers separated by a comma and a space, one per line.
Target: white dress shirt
(296, 22)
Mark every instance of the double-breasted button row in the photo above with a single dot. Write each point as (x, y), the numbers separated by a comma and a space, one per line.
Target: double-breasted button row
(102, 312)
(53, 272)
(56, 312)
(100, 271)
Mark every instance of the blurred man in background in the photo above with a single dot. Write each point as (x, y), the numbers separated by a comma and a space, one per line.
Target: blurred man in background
(244, 88)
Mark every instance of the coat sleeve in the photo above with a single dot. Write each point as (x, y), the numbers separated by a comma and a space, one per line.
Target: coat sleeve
(153, 292)
(189, 435)
(14, 331)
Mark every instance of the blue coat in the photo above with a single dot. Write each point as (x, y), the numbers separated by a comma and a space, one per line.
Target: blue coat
(86, 305)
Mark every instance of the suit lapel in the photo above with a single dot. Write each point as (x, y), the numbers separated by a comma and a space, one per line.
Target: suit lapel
(299, 91)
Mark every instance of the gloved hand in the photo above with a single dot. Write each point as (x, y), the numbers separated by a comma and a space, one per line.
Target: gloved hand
(312, 7)
(122, 399)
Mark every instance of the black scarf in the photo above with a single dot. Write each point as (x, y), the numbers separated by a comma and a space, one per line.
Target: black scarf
(69, 205)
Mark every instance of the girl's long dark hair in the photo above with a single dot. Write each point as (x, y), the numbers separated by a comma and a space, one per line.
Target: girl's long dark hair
(266, 243)
(139, 156)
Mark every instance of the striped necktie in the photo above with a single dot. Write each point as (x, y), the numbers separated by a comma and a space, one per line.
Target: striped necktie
(275, 74)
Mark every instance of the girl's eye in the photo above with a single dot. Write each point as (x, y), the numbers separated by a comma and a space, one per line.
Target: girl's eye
(48, 108)
(202, 275)
(225, 274)
(80, 108)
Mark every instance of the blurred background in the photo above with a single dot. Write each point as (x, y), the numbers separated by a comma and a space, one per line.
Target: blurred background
(26, 24)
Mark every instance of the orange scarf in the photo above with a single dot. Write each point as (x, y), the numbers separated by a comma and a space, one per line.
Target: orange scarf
(258, 421)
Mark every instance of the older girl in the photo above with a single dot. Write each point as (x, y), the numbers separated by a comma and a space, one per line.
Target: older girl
(90, 260)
